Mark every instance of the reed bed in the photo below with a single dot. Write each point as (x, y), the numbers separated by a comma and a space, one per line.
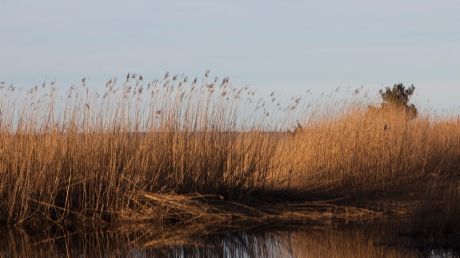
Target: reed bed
(182, 150)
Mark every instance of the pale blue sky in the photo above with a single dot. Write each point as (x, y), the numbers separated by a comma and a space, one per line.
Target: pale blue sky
(288, 46)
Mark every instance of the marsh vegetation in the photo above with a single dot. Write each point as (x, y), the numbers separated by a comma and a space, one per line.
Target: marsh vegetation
(201, 152)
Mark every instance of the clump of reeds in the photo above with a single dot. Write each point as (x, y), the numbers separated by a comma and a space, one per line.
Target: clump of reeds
(378, 153)
(168, 150)
(92, 156)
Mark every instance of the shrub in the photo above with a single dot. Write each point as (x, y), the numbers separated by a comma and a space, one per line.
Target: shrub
(398, 97)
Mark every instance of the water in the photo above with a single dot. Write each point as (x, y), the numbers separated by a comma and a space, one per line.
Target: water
(360, 241)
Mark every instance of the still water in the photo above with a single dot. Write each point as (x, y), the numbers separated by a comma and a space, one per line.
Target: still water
(294, 242)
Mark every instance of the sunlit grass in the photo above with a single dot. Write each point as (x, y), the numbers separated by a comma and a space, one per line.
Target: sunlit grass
(187, 150)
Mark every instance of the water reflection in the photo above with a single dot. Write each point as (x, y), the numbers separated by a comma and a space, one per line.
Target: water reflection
(304, 242)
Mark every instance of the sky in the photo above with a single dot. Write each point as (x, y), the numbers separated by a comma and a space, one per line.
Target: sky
(288, 45)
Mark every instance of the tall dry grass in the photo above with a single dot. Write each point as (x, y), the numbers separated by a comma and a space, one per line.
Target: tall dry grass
(153, 151)
(362, 152)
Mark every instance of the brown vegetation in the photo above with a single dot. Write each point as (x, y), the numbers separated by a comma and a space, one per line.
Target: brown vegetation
(175, 151)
